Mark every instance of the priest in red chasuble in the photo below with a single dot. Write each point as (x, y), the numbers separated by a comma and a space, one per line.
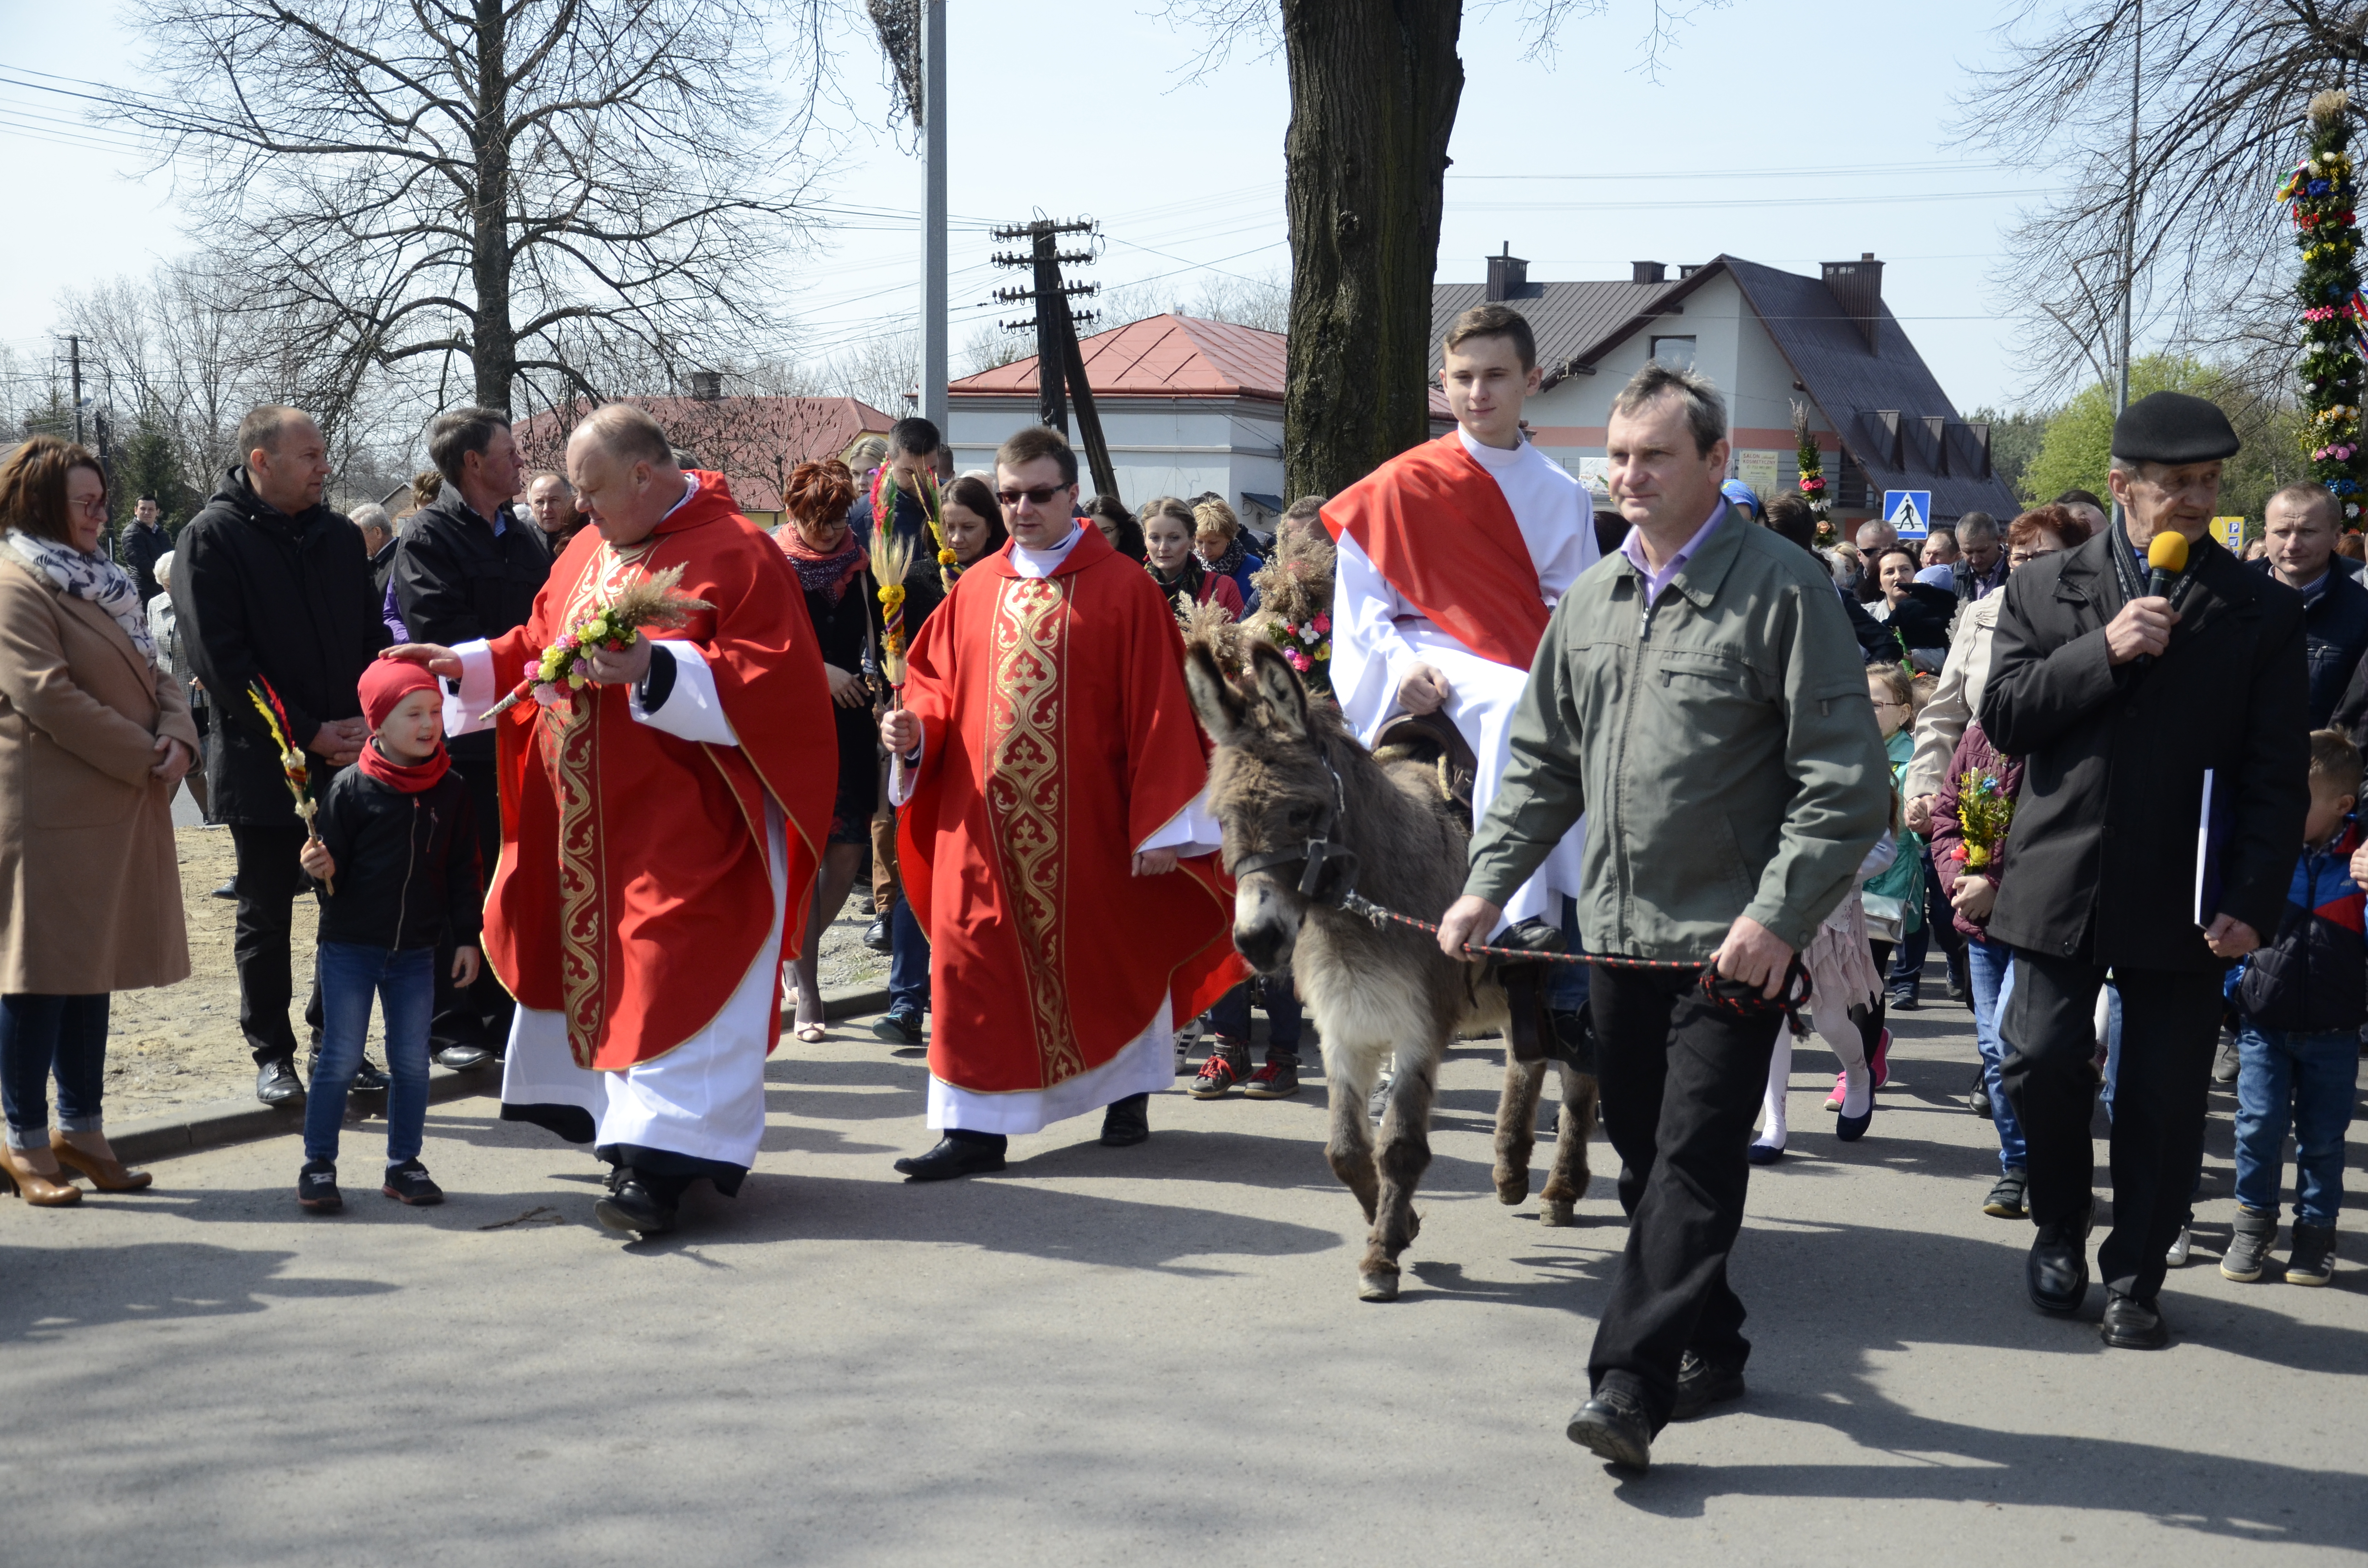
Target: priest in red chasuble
(661, 824)
(1452, 557)
(1054, 846)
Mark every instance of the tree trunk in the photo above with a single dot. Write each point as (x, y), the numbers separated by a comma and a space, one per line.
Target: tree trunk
(493, 341)
(1374, 90)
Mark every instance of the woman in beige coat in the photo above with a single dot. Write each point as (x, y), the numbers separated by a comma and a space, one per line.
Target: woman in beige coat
(93, 739)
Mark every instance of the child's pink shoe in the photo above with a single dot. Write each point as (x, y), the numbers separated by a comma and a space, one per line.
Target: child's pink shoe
(1841, 1083)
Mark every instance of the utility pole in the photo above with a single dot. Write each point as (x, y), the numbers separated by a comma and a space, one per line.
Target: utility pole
(74, 357)
(933, 215)
(1058, 358)
(2130, 221)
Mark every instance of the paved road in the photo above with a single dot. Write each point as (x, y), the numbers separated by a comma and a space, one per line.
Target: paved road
(1136, 1357)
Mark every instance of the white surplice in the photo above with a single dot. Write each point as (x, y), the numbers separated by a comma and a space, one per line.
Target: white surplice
(1146, 1065)
(704, 1099)
(1378, 637)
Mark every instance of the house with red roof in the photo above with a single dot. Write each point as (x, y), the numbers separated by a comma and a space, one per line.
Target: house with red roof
(1188, 406)
(754, 442)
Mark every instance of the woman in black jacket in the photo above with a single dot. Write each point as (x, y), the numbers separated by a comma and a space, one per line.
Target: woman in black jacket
(845, 607)
(1917, 621)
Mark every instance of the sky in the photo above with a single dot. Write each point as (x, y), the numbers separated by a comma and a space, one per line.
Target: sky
(1783, 131)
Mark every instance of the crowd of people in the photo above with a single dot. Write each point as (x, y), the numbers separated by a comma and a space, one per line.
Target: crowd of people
(447, 728)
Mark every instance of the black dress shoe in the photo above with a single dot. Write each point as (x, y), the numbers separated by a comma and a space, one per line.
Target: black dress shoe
(1127, 1121)
(2133, 1325)
(370, 1079)
(461, 1058)
(954, 1157)
(1614, 1425)
(228, 891)
(2058, 1273)
(876, 937)
(630, 1206)
(276, 1084)
(1702, 1385)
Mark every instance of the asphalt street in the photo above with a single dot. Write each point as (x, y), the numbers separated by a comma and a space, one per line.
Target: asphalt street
(1141, 1357)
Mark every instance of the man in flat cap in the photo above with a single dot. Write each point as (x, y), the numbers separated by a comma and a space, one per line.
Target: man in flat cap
(2129, 706)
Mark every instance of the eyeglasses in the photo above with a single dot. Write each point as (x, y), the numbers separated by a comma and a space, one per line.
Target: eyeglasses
(1888, 702)
(95, 508)
(1040, 496)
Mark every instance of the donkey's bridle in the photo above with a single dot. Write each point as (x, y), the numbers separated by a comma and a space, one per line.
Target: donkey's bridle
(1327, 871)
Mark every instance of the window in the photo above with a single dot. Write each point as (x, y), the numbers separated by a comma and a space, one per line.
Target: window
(1677, 353)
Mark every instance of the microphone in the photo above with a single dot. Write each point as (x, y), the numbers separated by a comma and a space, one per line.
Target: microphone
(2166, 559)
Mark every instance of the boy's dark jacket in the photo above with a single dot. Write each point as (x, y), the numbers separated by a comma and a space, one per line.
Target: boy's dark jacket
(406, 863)
(2312, 977)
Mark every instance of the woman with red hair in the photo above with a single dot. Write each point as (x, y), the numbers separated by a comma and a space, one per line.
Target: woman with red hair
(840, 598)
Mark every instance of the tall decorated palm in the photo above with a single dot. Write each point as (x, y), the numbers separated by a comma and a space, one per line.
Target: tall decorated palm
(1813, 475)
(2320, 193)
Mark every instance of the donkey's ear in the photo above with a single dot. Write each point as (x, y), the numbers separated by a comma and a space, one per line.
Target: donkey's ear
(1277, 683)
(1221, 707)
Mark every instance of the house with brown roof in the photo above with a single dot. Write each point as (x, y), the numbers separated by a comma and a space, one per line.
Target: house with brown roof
(754, 442)
(1769, 338)
(1188, 406)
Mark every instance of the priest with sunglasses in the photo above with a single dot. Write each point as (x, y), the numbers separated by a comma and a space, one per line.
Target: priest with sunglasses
(1048, 773)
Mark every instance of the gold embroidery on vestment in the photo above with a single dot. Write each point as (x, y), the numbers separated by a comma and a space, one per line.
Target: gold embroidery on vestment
(1024, 733)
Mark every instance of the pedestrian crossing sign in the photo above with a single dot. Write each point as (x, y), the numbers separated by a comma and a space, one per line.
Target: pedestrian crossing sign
(1909, 512)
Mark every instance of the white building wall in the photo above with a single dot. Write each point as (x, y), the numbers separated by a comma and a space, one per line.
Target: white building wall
(1158, 446)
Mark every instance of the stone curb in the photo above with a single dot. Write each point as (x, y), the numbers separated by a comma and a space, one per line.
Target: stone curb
(238, 1122)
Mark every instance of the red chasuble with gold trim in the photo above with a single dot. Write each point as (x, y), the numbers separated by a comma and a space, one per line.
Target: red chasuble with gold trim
(1484, 592)
(632, 892)
(1057, 736)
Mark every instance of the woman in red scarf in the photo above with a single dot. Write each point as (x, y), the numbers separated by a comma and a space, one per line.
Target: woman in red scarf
(1167, 545)
(845, 607)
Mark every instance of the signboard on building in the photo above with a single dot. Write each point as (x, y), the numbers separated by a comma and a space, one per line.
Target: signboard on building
(1759, 469)
(1909, 512)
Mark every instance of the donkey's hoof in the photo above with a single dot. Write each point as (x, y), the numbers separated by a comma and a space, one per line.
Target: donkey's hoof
(1551, 1212)
(1378, 1286)
(1512, 1187)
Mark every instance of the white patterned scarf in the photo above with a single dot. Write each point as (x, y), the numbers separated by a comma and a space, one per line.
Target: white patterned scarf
(91, 577)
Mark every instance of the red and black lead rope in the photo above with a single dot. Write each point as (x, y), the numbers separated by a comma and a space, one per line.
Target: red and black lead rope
(1734, 995)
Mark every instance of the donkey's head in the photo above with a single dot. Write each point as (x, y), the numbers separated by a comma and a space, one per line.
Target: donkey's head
(1274, 788)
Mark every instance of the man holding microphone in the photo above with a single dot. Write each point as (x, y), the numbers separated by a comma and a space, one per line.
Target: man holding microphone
(2130, 690)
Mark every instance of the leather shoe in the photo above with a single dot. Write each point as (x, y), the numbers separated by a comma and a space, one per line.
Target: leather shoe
(276, 1083)
(1127, 1123)
(40, 1191)
(630, 1206)
(954, 1157)
(1613, 1424)
(1702, 1385)
(462, 1057)
(2058, 1273)
(2133, 1325)
(109, 1175)
(876, 937)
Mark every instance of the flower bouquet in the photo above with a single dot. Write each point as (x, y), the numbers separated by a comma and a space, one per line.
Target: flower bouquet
(651, 605)
(1295, 606)
(1984, 812)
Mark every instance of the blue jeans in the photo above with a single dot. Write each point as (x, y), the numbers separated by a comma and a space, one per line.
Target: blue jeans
(1990, 967)
(41, 1034)
(2305, 1081)
(1231, 1016)
(404, 982)
(909, 961)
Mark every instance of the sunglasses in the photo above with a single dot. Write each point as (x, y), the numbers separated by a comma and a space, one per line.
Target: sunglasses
(1040, 496)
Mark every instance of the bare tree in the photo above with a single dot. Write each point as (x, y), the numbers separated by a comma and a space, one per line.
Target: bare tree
(2174, 120)
(485, 193)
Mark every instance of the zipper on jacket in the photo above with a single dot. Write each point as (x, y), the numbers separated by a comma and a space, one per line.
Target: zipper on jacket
(411, 860)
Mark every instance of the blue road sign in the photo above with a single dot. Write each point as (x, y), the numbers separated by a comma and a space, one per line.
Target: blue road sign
(1909, 512)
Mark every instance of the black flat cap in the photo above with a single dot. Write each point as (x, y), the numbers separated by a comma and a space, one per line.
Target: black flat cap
(2172, 427)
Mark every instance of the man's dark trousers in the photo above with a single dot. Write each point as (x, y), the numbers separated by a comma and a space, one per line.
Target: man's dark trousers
(2170, 1025)
(1681, 1081)
(269, 882)
(479, 1016)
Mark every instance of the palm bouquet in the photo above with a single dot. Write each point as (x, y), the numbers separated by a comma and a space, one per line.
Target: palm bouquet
(294, 770)
(1985, 810)
(654, 604)
(885, 491)
(892, 558)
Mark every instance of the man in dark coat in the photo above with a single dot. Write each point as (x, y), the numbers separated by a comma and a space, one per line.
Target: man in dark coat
(469, 570)
(143, 543)
(267, 582)
(2300, 525)
(2125, 705)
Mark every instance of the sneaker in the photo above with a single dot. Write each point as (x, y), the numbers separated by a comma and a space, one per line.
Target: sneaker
(2175, 1255)
(2247, 1249)
(1186, 1039)
(1279, 1079)
(2225, 1064)
(1228, 1063)
(316, 1187)
(408, 1182)
(1881, 1065)
(1841, 1088)
(2005, 1201)
(1978, 1099)
(898, 1026)
(1702, 1385)
(1904, 1001)
(2310, 1260)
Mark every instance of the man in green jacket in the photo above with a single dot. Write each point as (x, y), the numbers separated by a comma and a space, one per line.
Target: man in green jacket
(1700, 698)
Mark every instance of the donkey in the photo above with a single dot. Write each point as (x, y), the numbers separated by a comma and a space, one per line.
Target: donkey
(1287, 777)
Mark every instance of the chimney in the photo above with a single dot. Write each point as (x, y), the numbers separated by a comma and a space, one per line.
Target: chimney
(706, 386)
(1508, 275)
(1857, 288)
(1646, 272)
